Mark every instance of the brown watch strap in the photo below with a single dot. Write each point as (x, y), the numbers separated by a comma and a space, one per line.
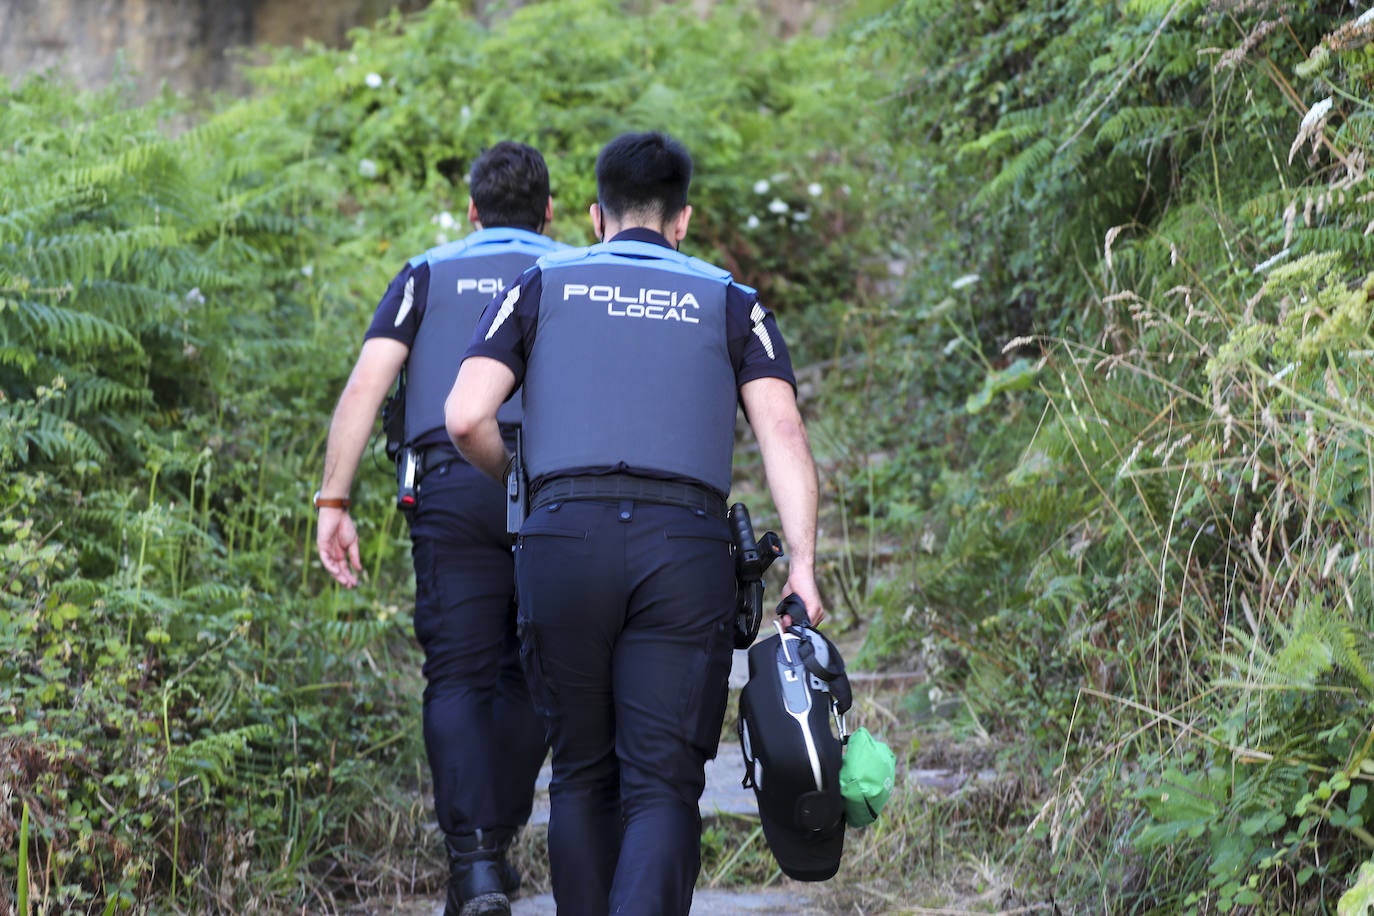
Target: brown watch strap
(336, 502)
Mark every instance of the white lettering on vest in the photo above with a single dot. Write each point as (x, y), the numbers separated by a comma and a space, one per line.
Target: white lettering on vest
(489, 286)
(657, 304)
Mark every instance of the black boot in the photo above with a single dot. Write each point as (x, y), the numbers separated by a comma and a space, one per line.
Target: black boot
(476, 885)
(510, 876)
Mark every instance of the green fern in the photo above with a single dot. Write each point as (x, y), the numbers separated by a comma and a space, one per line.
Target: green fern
(1015, 173)
(210, 758)
(1145, 126)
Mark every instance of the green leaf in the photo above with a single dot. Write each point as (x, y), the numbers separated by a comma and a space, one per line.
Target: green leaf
(1019, 376)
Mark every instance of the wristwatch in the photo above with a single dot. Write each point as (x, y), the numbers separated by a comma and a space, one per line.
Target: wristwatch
(325, 502)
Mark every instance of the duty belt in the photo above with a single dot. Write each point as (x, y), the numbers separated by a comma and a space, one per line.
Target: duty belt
(435, 455)
(627, 486)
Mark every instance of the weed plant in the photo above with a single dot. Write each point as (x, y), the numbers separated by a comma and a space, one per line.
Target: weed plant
(1082, 295)
(193, 718)
(1149, 565)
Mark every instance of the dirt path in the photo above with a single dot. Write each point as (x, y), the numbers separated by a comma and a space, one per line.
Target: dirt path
(724, 797)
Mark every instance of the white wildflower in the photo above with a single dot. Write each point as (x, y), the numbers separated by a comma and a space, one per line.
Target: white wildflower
(367, 168)
(965, 280)
(752, 222)
(761, 186)
(777, 206)
(195, 296)
(814, 189)
(444, 220)
(801, 216)
(373, 80)
(465, 113)
(308, 270)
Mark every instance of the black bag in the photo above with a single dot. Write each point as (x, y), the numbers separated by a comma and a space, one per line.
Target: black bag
(792, 757)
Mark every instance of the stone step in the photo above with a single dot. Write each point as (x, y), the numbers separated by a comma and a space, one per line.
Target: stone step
(705, 902)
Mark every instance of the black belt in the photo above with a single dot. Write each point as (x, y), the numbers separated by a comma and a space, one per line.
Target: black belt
(435, 455)
(627, 486)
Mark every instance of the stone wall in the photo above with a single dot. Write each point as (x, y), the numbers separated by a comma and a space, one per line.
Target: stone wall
(189, 44)
(185, 43)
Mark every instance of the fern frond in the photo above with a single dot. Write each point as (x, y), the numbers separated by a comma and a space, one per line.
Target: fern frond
(1349, 242)
(22, 358)
(57, 329)
(211, 757)
(1000, 138)
(211, 593)
(1018, 170)
(1354, 651)
(1144, 125)
(357, 632)
(94, 395)
(54, 437)
(79, 257)
(153, 156)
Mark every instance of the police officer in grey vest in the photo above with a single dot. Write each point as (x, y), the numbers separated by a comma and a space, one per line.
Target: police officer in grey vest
(484, 741)
(633, 359)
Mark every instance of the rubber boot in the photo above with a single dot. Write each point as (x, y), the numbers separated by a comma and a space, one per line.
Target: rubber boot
(476, 883)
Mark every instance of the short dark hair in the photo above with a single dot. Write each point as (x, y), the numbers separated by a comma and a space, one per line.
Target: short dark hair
(643, 173)
(509, 184)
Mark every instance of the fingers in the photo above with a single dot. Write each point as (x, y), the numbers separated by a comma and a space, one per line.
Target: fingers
(337, 543)
(810, 596)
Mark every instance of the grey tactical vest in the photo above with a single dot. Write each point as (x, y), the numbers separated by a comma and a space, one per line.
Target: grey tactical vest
(463, 277)
(630, 366)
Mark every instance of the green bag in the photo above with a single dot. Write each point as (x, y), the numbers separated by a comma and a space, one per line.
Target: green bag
(866, 777)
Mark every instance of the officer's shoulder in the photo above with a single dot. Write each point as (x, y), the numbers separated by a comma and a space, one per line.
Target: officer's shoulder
(562, 255)
(444, 252)
(709, 269)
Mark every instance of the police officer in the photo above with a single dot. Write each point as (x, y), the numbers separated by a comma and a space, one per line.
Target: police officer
(633, 357)
(484, 741)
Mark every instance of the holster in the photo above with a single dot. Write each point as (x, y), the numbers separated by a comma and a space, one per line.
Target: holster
(517, 490)
(753, 556)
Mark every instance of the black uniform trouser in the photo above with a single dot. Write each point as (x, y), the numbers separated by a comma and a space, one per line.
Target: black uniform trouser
(484, 741)
(625, 620)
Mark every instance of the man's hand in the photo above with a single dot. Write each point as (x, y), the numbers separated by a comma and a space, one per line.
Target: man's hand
(804, 587)
(337, 541)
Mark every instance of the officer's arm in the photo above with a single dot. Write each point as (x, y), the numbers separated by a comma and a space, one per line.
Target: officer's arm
(771, 407)
(482, 386)
(378, 364)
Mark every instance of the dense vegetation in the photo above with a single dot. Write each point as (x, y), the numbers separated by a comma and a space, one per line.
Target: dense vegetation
(1086, 290)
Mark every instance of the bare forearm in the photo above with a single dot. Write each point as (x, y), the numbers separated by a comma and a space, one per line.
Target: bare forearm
(484, 448)
(470, 414)
(792, 480)
(349, 431)
(351, 426)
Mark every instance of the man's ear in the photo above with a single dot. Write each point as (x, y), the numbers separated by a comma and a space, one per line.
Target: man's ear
(472, 214)
(679, 227)
(548, 212)
(598, 222)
